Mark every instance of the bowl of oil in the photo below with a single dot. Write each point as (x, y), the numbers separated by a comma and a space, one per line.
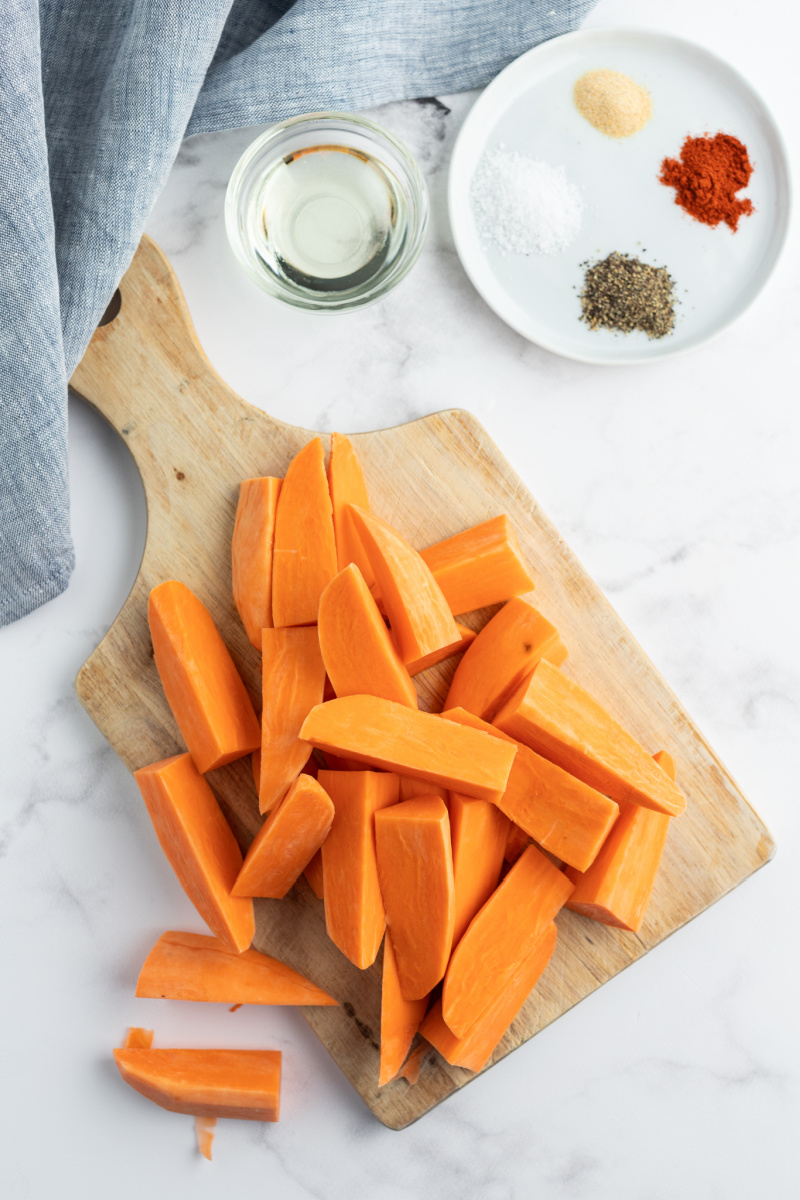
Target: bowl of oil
(326, 211)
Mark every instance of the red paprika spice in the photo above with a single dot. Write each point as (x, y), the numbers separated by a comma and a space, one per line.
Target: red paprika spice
(707, 176)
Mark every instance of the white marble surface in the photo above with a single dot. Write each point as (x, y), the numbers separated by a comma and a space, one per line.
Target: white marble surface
(677, 486)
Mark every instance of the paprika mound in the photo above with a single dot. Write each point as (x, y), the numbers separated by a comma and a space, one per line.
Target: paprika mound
(707, 176)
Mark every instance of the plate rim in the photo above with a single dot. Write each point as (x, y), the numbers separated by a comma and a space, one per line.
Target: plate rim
(598, 35)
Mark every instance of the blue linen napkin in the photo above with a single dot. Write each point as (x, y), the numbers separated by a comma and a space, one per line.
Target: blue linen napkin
(94, 101)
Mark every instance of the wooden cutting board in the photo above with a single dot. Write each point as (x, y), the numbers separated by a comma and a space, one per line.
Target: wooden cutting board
(193, 440)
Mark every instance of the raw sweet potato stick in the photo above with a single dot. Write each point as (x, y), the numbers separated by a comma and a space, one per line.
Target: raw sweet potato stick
(501, 656)
(501, 935)
(207, 1083)
(251, 554)
(418, 613)
(304, 555)
(199, 845)
(478, 831)
(560, 720)
(481, 566)
(565, 816)
(347, 486)
(292, 680)
(395, 738)
(356, 646)
(194, 966)
(354, 913)
(203, 688)
(287, 841)
(415, 870)
(616, 888)
(474, 1049)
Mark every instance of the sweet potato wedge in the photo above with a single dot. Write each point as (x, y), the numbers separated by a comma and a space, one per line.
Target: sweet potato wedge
(194, 966)
(304, 554)
(201, 683)
(199, 845)
(207, 1083)
(424, 745)
(560, 720)
(481, 566)
(415, 870)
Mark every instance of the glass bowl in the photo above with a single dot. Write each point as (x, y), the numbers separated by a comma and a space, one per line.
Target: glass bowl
(326, 211)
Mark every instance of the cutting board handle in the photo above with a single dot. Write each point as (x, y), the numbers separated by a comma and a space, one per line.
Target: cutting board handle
(146, 362)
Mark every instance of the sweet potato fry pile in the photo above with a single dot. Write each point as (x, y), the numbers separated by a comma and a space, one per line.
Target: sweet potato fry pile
(453, 838)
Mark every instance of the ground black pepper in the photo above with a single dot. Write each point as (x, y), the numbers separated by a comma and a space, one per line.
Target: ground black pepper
(623, 293)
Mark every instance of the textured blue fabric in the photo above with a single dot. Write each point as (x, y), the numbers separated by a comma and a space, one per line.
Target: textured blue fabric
(95, 97)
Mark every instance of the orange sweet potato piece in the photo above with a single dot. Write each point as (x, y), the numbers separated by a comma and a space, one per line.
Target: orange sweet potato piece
(481, 566)
(475, 1048)
(478, 831)
(138, 1039)
(565, 816)
(347, 486)
(561, 721)
(251, 554)
(418, 613)
(617, 887)
(203, 688)
(292, 680)
(501, 935)
(354, 913)
(356, 646)
(207, 1083)
(205, 1128)
(304, 554)
(194, 966)
(400, 1018)
(287, 841)
(395, 738)
(466, 638)
(502, 655)
(199, 845)
(314, 875)
(415, 869)
(411, 1067)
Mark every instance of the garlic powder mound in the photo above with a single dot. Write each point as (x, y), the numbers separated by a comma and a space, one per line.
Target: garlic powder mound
(612, 102)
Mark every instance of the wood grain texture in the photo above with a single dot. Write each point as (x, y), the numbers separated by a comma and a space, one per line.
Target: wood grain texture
(193, 440)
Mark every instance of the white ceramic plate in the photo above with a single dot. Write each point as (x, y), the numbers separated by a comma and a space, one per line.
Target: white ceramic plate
(717, 273)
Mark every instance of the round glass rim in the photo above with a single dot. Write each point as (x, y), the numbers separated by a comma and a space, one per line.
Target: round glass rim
(413, 185)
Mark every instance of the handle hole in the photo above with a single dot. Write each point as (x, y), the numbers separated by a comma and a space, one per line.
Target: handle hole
(114, 305)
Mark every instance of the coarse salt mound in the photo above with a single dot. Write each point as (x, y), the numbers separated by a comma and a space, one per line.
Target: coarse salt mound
(612, 102)
(524, 205)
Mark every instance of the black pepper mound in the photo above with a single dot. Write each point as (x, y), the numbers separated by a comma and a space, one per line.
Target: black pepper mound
(623, 293)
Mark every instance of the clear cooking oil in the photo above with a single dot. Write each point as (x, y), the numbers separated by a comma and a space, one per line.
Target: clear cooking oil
(328, 219)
